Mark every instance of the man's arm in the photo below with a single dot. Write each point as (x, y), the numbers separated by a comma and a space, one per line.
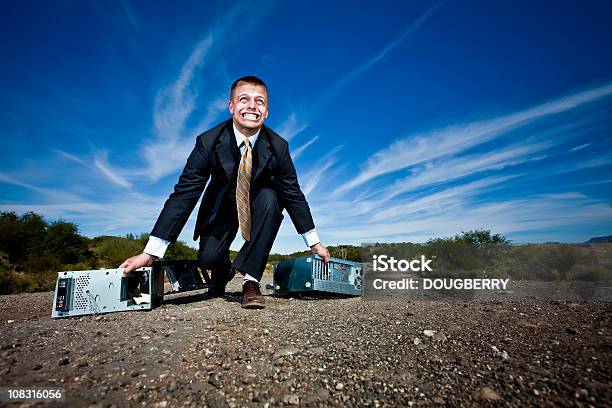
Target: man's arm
(177, 208)
(294, 201)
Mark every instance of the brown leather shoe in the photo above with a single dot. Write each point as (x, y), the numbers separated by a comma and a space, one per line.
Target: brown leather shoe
(251, 296)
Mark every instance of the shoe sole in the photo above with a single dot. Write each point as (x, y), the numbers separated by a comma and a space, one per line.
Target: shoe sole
(253, 305)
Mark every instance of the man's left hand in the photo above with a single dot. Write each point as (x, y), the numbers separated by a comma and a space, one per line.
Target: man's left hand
(319, 249)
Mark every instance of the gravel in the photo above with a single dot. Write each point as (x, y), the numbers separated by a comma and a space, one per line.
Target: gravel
(313, 352)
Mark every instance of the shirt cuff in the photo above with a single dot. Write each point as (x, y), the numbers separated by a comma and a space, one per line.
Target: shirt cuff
(311, 237)
(156, 246)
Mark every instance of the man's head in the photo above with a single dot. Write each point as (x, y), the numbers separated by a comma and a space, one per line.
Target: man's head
(248, 104)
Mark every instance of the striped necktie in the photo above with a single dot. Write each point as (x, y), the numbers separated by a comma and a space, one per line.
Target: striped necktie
(243, 188)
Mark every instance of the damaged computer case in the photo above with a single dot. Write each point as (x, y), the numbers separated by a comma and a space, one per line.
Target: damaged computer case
(311, 274)
(185, 275)
(107, 290)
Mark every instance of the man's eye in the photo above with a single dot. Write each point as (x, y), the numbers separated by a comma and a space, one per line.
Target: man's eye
(243, 99)
(260, 102)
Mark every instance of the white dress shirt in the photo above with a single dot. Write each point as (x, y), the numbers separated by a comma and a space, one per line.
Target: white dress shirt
(157, 246)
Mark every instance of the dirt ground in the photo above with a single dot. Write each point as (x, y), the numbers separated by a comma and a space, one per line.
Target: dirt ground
(313, 352)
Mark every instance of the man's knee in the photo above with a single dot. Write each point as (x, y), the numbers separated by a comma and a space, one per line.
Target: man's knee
(266, 200)
(209, 258)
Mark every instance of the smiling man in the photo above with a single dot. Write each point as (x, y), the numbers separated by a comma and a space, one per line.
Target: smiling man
(252, 179)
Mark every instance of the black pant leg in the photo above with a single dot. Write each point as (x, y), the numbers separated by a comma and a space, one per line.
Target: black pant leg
(215, 241)
(266, 219)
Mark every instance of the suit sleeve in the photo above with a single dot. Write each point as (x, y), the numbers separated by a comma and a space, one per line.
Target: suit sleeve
(291, 195)
(187, 191)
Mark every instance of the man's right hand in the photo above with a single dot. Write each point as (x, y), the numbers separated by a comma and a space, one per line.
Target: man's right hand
(136, 262)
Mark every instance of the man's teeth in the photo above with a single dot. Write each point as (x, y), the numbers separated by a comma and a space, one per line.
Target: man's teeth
(251, 116)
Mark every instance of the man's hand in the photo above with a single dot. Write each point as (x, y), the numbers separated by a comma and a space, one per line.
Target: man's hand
(136, 262)
(319, 249)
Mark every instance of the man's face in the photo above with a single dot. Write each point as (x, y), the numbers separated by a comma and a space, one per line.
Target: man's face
(249, 107)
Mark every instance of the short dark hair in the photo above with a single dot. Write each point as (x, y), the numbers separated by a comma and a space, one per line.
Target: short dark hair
(249, 79)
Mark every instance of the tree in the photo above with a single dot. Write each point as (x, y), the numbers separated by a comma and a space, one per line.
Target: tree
(64, 242)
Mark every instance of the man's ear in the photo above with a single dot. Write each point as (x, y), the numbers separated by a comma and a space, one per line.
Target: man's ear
(231, 107)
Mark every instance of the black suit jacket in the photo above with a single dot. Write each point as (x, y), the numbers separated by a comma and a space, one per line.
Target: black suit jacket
(214, 158)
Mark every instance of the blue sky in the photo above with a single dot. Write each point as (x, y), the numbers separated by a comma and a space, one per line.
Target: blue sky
(406, 120)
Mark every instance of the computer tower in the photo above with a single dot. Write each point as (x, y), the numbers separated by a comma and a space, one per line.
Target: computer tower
(80, 293)
(185, 275)
(311, 274)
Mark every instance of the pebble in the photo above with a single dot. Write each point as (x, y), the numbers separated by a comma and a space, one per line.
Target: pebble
(439, 337)
(291, 399)
(286, 351)
(64, 361)
(488, 394)
(429, 333)
(213, 379)
(339, 386)
(571, 330)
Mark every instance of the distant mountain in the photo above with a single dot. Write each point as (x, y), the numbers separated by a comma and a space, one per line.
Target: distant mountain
(606, 238)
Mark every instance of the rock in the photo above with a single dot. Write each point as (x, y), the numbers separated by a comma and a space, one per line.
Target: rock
(199, 387)
(429, 333)
(37, 367)
(488, 394)
(286, 351)
(83, 364)
(439, 337)
(216, 401)
(64, 361)
(339, 386)
(571, 330)
(536, 393)
(213, 379)
(438, 400)
(291, 399)
(134, 374)
(417, 341)
(172, 387)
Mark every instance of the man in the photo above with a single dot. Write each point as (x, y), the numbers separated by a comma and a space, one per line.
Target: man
(252, 179)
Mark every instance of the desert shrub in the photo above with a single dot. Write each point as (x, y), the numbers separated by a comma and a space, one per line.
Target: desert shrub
(112, 251)
(179, 250)
(590, 273)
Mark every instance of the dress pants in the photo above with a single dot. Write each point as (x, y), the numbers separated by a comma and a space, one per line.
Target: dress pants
(216, 238)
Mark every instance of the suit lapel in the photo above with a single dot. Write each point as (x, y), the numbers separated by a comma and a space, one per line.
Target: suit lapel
(261, 153)
(224, 150)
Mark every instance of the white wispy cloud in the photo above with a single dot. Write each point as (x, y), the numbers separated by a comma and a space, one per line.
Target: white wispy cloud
(409, 33)
(291, 127)
(299, 150)
(101, 163)
(580, 147)
(458, 167)
(453, 140)
(175, 104)
(320, 171)
(100, 166)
